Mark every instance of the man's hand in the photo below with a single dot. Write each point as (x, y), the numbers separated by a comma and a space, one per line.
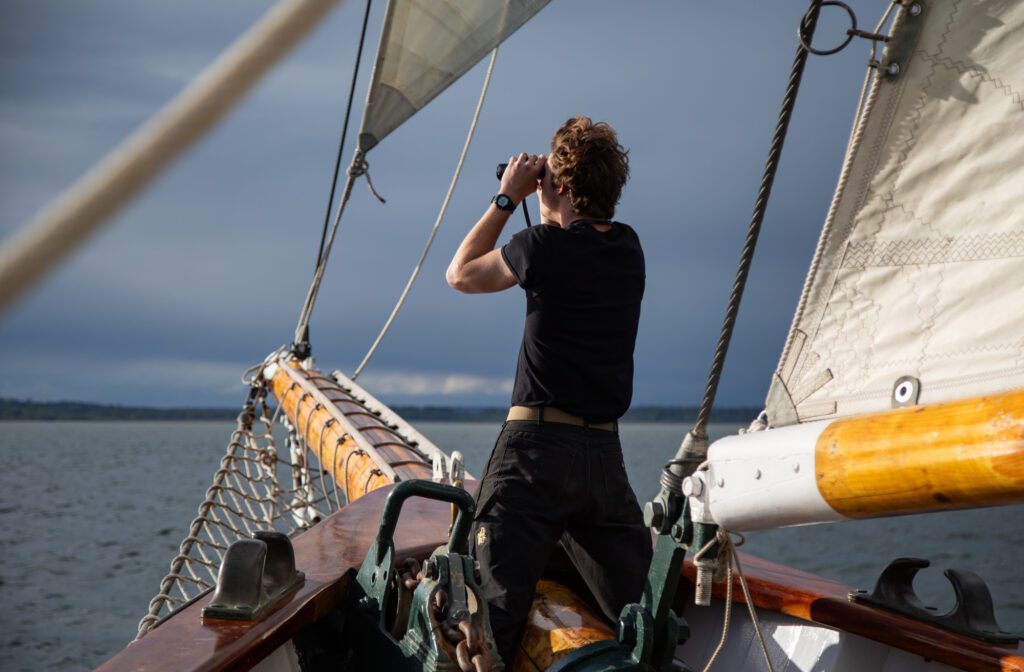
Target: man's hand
(521, 175)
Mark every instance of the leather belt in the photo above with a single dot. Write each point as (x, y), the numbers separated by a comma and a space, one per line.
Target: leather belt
(552, 414)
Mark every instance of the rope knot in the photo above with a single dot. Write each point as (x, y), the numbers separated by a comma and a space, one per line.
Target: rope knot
(360, 167)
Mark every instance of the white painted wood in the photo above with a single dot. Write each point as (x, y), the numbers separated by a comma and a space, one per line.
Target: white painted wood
(766, 479)
(283, 659)
(794, 645)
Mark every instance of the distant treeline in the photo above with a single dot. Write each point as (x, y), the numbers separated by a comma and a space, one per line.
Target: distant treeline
(15, 409)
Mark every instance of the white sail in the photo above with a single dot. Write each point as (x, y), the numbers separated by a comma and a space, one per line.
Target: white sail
(425, 46)
(919, 272)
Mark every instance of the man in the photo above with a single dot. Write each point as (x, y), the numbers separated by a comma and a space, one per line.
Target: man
(556, 473)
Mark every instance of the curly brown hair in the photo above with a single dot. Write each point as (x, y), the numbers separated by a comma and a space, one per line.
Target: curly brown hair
(587, 159)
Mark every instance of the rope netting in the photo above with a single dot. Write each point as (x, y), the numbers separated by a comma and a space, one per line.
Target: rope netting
(255, 488)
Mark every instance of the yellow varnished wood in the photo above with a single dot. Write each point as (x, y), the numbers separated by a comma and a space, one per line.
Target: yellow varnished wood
(559, 623)
(956, 455)
(353, 470)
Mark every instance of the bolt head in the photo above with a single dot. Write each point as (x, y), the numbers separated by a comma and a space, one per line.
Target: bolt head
(693, 487)
(893, 69)
(677, 533)
(915, 9)
(757, 474)
(796, 467)
(430, 569)
(654, 515)
(721, 482)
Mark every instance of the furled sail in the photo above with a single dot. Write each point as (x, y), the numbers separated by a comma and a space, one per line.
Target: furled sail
(425, 46)
(916, 291)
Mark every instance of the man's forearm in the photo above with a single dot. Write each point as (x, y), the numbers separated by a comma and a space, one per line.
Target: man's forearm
(477, 267)
(480, 240)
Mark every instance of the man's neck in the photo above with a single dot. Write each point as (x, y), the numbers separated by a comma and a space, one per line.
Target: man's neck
(568, 219)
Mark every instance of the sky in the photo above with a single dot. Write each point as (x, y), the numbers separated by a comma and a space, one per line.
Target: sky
(204, 274)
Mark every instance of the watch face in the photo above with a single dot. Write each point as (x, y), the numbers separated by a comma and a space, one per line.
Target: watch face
(503, 202)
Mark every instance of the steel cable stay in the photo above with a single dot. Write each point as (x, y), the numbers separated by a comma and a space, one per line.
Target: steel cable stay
(693, 450)
(358, 167)
(344, 131)
(692, 454)
(694, 447)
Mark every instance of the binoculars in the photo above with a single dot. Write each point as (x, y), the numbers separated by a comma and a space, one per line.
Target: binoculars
(502, 166)
(501, 171)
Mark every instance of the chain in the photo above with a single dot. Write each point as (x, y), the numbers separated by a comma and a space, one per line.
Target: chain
(466, 638)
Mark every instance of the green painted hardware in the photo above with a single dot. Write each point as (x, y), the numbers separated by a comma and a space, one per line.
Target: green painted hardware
(388, 636)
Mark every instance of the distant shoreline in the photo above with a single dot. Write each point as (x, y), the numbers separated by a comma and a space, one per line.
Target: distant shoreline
(15, 409)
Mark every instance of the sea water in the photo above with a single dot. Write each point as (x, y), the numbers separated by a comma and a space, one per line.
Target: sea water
(91, 514)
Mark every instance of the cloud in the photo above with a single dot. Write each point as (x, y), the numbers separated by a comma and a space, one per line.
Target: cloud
(207, 269)
(444, 384)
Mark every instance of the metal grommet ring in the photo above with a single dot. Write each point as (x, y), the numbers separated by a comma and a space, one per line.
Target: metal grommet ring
(905, 391)
(850, 34)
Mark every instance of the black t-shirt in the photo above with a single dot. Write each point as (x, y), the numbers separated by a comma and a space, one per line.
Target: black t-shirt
(583, 292)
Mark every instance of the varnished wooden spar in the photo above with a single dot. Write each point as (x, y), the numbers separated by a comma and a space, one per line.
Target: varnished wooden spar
(368, 457)
(956, 455)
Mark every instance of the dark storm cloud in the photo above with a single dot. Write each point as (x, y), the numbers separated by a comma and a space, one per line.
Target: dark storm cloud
(205, 273)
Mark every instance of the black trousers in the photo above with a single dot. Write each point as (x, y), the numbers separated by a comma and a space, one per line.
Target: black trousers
(547, 484)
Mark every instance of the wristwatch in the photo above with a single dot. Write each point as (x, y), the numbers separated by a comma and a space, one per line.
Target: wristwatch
(504, 203)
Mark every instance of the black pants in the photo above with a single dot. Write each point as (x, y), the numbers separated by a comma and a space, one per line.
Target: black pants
(546, 483)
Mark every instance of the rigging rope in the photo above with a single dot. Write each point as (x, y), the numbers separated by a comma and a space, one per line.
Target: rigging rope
(806, 33)
(358, 166)
(344, 130)
(437, 223)
(728, 556)
(247, 494)
(355, 169)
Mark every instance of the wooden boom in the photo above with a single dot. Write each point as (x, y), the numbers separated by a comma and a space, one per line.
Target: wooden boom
(958, 455)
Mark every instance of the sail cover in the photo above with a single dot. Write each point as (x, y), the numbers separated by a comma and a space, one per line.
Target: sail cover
(916, 292)
(425, 46)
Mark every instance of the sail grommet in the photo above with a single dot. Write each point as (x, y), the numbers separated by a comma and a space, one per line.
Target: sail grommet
(905, 391)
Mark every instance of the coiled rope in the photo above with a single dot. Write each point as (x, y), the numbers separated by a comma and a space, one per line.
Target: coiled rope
(437, 223)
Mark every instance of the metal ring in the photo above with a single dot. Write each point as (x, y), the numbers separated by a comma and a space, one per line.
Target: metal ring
(850, 34)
